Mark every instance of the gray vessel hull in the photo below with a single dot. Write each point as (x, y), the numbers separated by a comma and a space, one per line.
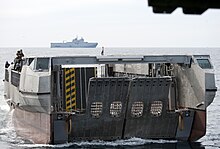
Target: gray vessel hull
(110, 98)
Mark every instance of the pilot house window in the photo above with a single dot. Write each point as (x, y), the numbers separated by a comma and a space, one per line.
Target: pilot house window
(204, 63)
(42, 64)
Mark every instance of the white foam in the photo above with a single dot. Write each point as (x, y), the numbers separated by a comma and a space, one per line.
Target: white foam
(45, 145)
(5, 107)
(129, 142)
(9, 134)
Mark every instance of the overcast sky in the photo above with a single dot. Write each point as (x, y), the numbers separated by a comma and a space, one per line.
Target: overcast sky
(111, 23)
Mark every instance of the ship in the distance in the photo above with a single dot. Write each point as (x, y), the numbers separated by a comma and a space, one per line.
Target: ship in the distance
(76, 43)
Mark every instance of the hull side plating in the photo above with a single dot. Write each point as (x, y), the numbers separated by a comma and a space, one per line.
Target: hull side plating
(34, 126)
(199, 125)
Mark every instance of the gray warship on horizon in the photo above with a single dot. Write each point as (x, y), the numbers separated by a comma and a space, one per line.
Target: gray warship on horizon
(75, 43)
(71, 98)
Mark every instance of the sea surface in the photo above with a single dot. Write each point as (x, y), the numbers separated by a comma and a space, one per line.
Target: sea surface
(9, 139)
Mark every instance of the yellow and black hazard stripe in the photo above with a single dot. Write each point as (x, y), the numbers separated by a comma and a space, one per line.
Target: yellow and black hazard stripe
(70, 89)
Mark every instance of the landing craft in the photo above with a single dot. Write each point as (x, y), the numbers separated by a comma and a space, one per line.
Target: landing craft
(65, 99)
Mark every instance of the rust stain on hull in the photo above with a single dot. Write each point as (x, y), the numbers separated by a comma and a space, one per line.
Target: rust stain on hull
(34, 126)
(199, 126)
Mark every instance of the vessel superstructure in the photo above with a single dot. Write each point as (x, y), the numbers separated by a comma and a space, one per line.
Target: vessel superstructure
(69, 98)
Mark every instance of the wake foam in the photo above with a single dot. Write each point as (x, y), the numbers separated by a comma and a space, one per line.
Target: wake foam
(7, 132)
(117, 143)
(5, 108)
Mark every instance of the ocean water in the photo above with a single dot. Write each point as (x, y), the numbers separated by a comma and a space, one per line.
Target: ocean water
(9, 139)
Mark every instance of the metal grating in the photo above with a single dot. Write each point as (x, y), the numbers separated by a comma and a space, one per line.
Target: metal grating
(156, 108)
(115, 108)
(137, 109)
(96, 109)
